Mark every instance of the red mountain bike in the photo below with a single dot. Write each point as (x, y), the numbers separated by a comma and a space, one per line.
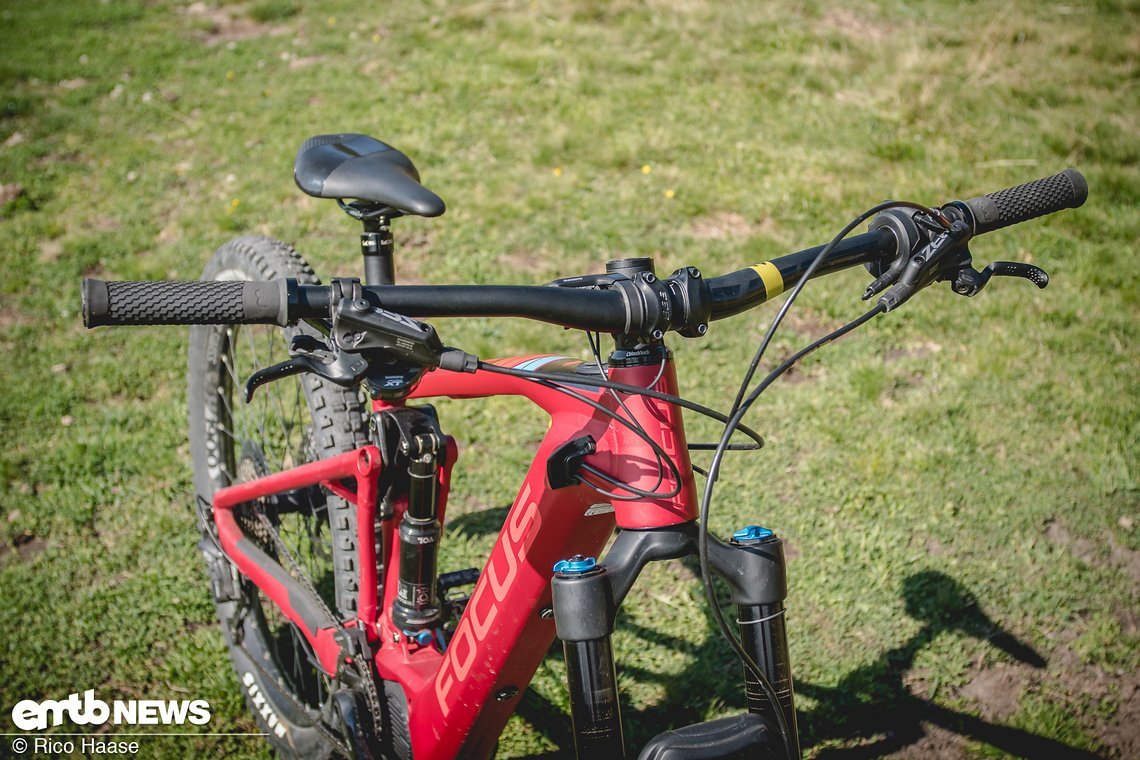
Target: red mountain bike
(321, 518)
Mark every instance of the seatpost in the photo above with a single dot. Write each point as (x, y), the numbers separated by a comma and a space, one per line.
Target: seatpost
(377, 245)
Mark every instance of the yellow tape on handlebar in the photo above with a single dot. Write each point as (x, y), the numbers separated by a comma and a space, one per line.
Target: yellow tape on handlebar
(773, 280)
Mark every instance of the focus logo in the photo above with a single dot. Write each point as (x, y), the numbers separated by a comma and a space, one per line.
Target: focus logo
(29, 715)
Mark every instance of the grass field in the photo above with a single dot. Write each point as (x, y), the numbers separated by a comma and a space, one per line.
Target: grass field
(957, 482)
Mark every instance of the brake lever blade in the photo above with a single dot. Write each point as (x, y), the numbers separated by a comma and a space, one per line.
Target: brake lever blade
(583, 281)
(269, 374)
(311, 354)
(1036, 275)
(970, 282)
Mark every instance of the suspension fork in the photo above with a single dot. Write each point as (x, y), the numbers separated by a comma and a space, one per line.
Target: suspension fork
(753, 566)
(584, 620)
(586, 596)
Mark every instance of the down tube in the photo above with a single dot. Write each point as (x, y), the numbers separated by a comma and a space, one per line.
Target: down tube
(502, 638)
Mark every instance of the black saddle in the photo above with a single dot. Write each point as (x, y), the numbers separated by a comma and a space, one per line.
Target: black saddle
(363, 168)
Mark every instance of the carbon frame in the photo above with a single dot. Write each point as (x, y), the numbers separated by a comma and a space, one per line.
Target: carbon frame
(459, 700)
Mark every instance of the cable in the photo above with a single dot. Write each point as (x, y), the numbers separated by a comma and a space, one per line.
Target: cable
(595, 347)
(740, 406)
(674, 471)
(885, 205)
(561, 379)
(634, 492)
(730, 447)
(556, 381)
(703, 532)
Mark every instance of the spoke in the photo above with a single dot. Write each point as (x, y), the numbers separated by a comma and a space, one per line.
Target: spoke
(274, 395)
(275, 431)
(298, 672)
(236, 383)
(256, 363)
(295, 421)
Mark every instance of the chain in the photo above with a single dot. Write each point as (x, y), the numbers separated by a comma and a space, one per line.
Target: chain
(364, 671)
(359, 663)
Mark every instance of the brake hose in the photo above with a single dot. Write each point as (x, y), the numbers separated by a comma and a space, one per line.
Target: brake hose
(558, 382)
(740, 407)
(885, 205)
(684, 403)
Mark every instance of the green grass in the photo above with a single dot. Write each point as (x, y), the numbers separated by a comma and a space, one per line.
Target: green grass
(955, 470)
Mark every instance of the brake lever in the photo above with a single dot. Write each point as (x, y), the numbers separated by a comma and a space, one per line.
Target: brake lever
(970, 282)
(311, 354)
(584, 281)
(947, 252)
(907, 229)
(359, 327)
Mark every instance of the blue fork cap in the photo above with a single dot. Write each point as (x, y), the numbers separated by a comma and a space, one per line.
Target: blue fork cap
(575, 565)
(752, 533)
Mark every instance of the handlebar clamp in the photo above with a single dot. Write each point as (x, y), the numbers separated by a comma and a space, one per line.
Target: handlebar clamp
(692, 302)
(682, 302)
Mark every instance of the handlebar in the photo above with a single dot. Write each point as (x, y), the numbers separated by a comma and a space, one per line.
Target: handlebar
(283, 302)
(638, 305)
(746, 288)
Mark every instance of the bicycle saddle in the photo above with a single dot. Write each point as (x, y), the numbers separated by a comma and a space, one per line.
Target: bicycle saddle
(363, 168)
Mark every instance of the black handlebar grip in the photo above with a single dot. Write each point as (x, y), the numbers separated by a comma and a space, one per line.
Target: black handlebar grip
(205, 302)
(1029, 201)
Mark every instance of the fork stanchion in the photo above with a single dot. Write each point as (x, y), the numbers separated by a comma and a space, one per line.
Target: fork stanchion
(584, 619)
(764, 637)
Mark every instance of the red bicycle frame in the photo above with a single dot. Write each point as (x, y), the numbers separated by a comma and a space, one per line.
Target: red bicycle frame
(460, 699)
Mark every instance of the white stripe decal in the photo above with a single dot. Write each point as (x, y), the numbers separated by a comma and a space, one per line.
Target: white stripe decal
(542, 361)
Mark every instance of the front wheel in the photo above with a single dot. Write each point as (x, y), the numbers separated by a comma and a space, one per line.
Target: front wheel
(289, 422)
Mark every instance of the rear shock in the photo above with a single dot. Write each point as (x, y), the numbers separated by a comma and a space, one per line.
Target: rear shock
(414, 443)
(417, 604)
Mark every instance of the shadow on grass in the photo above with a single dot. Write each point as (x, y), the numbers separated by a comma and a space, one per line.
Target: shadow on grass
(854, 709)
(871, 704)
(482, 522)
